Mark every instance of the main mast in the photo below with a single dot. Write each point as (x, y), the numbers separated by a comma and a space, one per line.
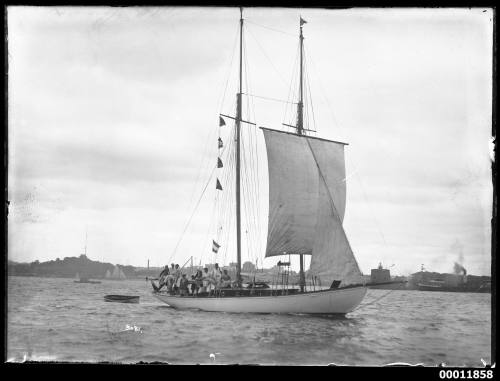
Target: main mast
(237, 138)
(300, 131)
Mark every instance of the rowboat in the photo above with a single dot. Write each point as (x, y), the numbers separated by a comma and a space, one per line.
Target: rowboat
(122, 298)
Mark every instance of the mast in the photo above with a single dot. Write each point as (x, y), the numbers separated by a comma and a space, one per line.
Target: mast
(238, 126)
(85, 242)
(300, 131)
(300, 105)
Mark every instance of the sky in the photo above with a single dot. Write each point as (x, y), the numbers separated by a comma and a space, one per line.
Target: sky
(113, 126)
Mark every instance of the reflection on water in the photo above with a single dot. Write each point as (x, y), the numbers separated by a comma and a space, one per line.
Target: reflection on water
(55, 319)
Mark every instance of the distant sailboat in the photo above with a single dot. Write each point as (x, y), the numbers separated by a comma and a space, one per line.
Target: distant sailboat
(117, 274)
(84, 279)
(307, 199)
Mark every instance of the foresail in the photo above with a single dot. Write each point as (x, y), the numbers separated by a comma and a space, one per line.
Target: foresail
(332, 257)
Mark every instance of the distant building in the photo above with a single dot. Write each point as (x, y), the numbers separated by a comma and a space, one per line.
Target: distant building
(448, 282)
(380, 275)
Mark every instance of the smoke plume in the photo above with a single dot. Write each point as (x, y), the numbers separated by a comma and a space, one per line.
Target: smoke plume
(458, 268)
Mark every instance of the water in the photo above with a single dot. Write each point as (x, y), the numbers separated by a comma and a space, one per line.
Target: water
(53, 319)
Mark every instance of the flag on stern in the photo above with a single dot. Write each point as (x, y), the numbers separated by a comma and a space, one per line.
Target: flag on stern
(217, 185)
(221, 121)
(302, 21)
(220, 143)
(215, 246)
(219, 163)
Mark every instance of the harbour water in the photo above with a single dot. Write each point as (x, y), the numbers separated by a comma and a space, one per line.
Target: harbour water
(54, 319)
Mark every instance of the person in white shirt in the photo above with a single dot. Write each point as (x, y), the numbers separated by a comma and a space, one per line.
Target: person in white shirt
(216, 274)
(207, 280)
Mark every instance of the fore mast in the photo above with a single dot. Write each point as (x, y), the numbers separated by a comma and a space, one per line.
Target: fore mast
(237, 139)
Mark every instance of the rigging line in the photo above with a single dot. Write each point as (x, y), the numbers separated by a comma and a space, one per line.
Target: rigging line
(265, 54)
(251, 133)
(244, 165)
(250, 190)
(323, 92)
(257, 193)
(212, 218)
(209, 225)
(221, 101)
(255, 161)
(226, 178)
(243, 138)
(190, 218)
(291, 88)
(377, 299)
(227, 211)
(228, 194)
(310, 95)
(257, 165)
(246, 188)
(251, 176)
(249, 203)
(203, 162)
(332, 204)
(269, 98)
(275, 30)
(295, 88)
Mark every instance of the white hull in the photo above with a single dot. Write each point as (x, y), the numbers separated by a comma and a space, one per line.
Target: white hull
(339, 301)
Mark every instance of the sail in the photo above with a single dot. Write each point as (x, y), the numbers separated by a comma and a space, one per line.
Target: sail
(116, 272)
(293, 189)
(307, 196)
(332, 257)
(121, 275)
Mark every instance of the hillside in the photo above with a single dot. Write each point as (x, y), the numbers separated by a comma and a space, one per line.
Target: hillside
(68, 267)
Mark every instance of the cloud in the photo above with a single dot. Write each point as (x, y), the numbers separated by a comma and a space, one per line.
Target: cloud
(115, 126)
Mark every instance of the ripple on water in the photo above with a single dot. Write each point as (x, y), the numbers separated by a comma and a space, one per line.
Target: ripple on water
(47, 318)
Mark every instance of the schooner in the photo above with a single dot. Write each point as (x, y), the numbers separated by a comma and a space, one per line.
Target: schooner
(307, 199)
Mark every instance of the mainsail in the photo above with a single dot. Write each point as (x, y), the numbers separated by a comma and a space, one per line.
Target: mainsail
(307, 195)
